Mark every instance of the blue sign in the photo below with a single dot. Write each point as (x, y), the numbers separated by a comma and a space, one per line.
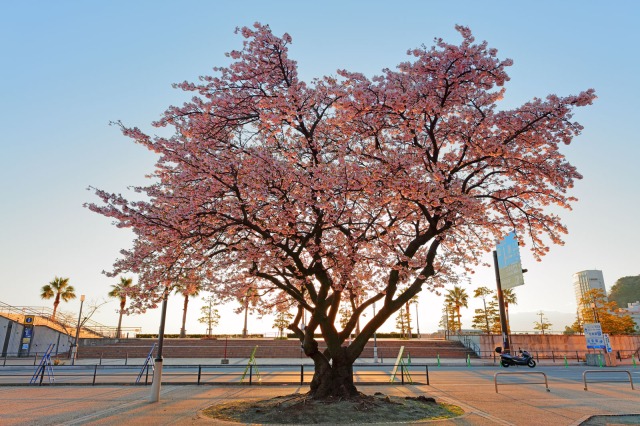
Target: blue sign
(509, 264)
(593, 335)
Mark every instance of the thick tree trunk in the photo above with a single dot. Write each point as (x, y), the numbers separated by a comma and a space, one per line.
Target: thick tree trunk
(333, 379)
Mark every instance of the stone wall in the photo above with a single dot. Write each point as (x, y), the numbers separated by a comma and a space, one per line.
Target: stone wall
(560, 343)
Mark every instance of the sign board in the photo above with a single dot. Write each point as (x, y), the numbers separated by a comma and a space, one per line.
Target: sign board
(28, 319)
(607, 343)
(594, 336)
(509, 264)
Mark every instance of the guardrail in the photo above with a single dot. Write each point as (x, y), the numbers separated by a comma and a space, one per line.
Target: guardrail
(200, 374)
(546, 382)
(584, 377)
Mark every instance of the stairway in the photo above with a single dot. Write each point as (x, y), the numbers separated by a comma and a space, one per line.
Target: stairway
(267, 348)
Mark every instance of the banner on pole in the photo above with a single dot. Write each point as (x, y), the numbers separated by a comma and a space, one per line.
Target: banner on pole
(509, 264)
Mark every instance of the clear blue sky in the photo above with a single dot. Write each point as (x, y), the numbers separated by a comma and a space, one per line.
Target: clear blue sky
(70, 67)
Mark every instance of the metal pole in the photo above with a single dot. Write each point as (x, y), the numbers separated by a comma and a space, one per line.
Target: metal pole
(74, 349)
(157, 373)
(503, 315)
(417, 320)
(375, 339)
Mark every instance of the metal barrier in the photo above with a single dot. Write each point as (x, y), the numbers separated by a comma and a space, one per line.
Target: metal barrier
(584, 377)
(546, 382)
(198, 374)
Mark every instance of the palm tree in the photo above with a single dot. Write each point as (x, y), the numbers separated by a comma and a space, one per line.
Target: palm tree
(187, 289)
(120, 291)
(457, 297)
(60, 289)
(509, 298)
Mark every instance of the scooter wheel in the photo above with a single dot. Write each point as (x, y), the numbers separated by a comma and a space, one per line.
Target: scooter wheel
(531, 363)
(505, 364)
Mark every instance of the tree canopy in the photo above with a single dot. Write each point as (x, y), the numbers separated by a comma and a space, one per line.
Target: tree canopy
(344, 188)
(626, 290)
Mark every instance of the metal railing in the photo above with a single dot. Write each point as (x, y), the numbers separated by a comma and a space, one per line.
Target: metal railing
(520, 373)
(64, 322)
(584, 377)
(202, 374)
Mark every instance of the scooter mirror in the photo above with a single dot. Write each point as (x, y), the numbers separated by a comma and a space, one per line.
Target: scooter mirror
(499, 349)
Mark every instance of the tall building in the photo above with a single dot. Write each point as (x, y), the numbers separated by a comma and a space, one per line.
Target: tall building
(584, 281)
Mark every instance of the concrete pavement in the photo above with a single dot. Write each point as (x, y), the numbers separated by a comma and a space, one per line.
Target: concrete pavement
(472, 389)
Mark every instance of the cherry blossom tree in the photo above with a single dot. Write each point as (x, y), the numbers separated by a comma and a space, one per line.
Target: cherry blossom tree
(345, 188)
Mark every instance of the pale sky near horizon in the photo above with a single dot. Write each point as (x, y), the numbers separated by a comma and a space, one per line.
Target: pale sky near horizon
(71, 67)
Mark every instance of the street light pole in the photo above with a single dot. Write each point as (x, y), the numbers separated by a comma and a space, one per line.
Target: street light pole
(157, 371)
(74, 349)
(417, 320)
(375, 340)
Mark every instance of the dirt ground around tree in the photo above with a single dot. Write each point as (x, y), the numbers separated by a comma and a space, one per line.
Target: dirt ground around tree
(301, 409)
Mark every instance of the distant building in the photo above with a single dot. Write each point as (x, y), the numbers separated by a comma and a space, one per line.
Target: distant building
(633, 309)
(584, 281)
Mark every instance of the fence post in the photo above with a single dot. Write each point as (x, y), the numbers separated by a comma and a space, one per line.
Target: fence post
(100, 358)
(35, 357)
(126, 357)
(301, 374)
(553, 356)
(5, 360)
(402, 373)
(199, 372)
(577, 357)
(95, 372)
(146, 379)
(250, 373)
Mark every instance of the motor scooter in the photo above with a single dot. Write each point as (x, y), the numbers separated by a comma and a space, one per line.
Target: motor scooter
(524, 359)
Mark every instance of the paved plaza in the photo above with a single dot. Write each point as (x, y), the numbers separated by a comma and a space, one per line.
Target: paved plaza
(473, 389)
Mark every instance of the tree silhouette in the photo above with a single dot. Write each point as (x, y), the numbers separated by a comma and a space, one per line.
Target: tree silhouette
(120, 291)
(458, 298)
(58, 289)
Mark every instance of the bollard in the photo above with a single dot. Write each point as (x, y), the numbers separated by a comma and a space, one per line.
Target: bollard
(600, 360)
(427, 372)
(199, 373)
(633, 360)
(438, 356)
(566, 364)
(95, 373)
(100, 358)
(468, 361)
(301, 374)
(126, 358)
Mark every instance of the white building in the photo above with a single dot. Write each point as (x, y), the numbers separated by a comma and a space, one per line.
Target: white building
(633, 309)
(584, 281)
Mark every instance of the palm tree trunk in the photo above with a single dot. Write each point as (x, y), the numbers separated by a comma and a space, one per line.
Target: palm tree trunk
(183, 331)
(119, 330)
(459, 318)
(56, 302)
